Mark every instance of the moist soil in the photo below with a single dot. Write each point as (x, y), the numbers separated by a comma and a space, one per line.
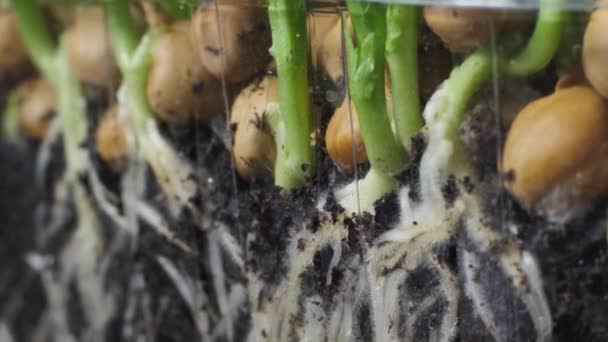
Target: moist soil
(574, 257)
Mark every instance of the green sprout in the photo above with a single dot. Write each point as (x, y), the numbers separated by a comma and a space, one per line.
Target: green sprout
(396, 27)
(385, 35)
(569, 53)
(402, 23)
(542, 45)
(178, 9)
(535, 56)
(87, 241)
(295, 150)
(9, 124)
(134, 58)
(366, 66)
(52, 61)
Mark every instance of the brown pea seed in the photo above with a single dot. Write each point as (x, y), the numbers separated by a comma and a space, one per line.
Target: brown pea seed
(232, 41)
(254, 150)
(89, 49)
(110, 137)
(595, 51)
(463, 29)
(557, 150)
(179, 87)
(326, 44)
(14, 59)
(341, 138)
(37, 105)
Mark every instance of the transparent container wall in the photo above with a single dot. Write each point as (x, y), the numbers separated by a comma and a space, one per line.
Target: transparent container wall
(454, 190)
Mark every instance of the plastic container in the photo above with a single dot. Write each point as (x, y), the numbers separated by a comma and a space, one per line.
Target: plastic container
(438, 173)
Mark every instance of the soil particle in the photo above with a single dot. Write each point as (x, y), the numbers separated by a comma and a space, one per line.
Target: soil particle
(480, 132)
(363, 329)
(544, 81)
(435, 62)
(469, 187)
(387, 214)
(572, 258)
(411, 176)
(450, 191)
(513, 321)
(315, 278)
(271, 217)
(331, 206)
(430, 320)
(20, 292)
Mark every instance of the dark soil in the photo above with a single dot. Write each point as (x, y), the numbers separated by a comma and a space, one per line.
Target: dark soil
(20, 210)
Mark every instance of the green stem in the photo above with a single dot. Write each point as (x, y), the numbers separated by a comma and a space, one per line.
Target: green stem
(462, 84)
(134, 59)
(542, 45)
(123, 34)
(373, 187)
(10, 124)
(538, 52)
(37, 39)
(136, 80)
(568, 54)
(360, 196)
(54, 64)
(283, 174)
(71, 110)
(179, 9)
(402, 24)
(290, 49)
(366, 84)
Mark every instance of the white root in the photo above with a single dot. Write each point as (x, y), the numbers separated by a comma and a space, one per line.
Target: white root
(192, 293)
(106, 201)
(231, 246)
(340, 326)
(132, 188)
(137, 299)
(220, 286)
(449, 286)
(535, 299)
(388, 262)
(54, 322)
(153, 218)
(5, 333)
(81, 255)
(275, 318)
(315, 318)
(520, 267)
(43, 158)
(477, 294)
(429, 223)
(174, 174)
(376, 279)
(59, 214)
(383, 291)
(360, 195)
